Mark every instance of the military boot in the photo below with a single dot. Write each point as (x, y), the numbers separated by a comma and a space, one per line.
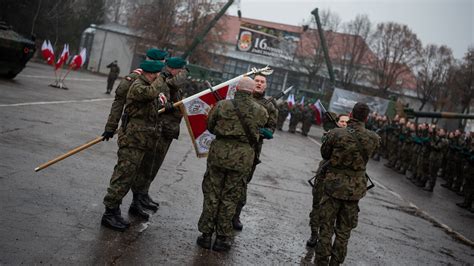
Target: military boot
(463, 205)
(236, 219)
(204, 241)
(222, 243)
(151, 201)
(145, 201)
(313, 240)
(428, 188)
(446, 185)
(113, 219)
(137, 209)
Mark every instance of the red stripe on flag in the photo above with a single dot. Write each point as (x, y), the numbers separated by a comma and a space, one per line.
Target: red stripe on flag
(198, 124)
(211, 99)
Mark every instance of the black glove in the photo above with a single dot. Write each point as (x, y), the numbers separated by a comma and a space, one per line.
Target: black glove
(108, 135)
(169, 108)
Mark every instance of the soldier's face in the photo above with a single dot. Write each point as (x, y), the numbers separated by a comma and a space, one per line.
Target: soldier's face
(260, 84)
(342, 122)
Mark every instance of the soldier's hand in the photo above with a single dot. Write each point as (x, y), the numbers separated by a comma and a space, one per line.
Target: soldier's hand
(266, 133)
(169, 108)
(107, 135)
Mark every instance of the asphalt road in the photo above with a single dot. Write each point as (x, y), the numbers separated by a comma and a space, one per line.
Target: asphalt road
(53, 216)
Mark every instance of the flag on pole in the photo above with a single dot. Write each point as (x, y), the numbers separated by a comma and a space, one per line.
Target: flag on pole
(196, 108)
(78, 60)
(291, 100)
(63, 58)
(302, 101)
(47, 52)
(319, 112)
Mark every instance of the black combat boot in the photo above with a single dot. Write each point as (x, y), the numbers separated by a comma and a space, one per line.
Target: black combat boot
(236, 219)
(428, 188)
(137, 209)
(313, 240)
(446, 185)
(114, 220)
(204, 241)
(463, 205)
(222, 243)
(151, 201)
(146, 202)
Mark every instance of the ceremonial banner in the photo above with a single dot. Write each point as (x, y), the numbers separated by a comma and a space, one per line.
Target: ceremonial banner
(196, 108)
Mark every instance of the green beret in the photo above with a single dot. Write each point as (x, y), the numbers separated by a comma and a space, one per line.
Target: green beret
(156, 54)
(152, 66)
(175, 62)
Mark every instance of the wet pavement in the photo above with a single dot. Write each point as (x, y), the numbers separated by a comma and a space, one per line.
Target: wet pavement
(53, 216)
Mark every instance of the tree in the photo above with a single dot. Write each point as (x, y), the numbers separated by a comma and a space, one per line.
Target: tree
(355, 50)
(433, 68)
(396, 48)
(176, 23)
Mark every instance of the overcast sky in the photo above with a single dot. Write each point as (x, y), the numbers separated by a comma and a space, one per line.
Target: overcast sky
(449, 22)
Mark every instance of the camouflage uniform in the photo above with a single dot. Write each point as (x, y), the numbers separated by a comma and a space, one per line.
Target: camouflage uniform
(170, 124)
(137, 138)
(113, 75)
(296, 116)
(229, 161)
(308, 118)
(468, 188)
(344, 185)
(451, 172)
(405, 152)
(438, 148)
(283, 112)
(422, 164)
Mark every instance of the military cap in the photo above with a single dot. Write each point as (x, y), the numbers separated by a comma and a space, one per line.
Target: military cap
(156, 54)
(175, 62)
(152, 66)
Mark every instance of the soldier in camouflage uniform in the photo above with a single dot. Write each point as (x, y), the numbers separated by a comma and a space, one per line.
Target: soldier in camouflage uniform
(145, 97)
(451, 168)
(422, 164)
(116, 112)
(393, 130)
(468, 188)
(345, 183)
(406, 154)
(283, 112)
(438, 147)
(229, 162)
(175, 76)
(296, 116)
(308, 118)
(113, 75)
(270, 107)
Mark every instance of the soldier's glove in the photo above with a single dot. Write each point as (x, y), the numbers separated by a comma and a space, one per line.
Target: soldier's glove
(265, 133)
(169, 108)
(107, 135)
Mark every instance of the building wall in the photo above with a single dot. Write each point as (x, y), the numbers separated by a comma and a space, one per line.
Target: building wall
(109, 46)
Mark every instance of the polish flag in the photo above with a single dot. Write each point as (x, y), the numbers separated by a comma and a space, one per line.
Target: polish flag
(302, 101)
(291, 100)
(47, 52)
(78, 60)
(319, 112)
(63, 58)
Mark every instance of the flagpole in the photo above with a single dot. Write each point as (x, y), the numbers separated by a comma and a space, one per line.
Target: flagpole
(68, 70)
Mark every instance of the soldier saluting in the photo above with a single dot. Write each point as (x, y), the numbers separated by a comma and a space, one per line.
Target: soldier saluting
(348, 150)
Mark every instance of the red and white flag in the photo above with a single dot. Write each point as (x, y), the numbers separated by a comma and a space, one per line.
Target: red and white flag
(47, 52)
(78, 60)
(196, 108)
(291, 100)
(319, 112)
(63, 58)
(302, 101)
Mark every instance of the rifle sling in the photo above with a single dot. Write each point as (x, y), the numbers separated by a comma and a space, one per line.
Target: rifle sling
(245, 126)
(364, 154)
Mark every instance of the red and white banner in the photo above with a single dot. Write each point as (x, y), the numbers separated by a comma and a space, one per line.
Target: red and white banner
(196, 108)
(319, 112)
(291, 100)
(63, 58)
(47, 52)
(78, 60)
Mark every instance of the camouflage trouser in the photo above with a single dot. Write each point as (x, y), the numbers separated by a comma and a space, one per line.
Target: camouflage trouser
(110, 83)
(459, 174)
(450, 173)
(222, 189)
(434, 165)
(243, 198)
(405, 157)
(318, 191)
(468, 188)
(125, 172)
(343, 215)
(280, 122)
(422, 167)
(150, 165)
(292, 126)
(306, 127)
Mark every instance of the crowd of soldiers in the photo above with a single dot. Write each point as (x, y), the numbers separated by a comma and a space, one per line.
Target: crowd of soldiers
(423, 152)
(298, 114)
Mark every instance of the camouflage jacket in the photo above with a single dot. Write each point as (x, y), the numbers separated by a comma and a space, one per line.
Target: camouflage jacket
(296, 114)
(119, 102)
(346, 178)
(114, 70)
(439, 147)
(231, 148)
(270, 106)
(283, 110)
(170, 121)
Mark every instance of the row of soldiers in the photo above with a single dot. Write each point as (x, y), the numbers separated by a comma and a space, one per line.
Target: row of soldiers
(423, 152)
(298, 114)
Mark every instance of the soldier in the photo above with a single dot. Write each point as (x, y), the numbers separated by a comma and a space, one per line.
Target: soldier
(283, 112)
(342, 120)
(308, 118)
(451, 168)
(270, 107)
(406, 154)
(345, 183)
(296, 115)
(117, 109)
(175, 76)
(468, 188)
(145, 97)
(236, 125)
(438, 148)
(113, 75)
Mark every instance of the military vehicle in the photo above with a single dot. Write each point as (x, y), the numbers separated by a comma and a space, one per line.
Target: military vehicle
(15, 51)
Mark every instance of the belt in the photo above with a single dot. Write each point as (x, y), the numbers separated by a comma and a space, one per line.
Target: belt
(242, 139)
(346, 171)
